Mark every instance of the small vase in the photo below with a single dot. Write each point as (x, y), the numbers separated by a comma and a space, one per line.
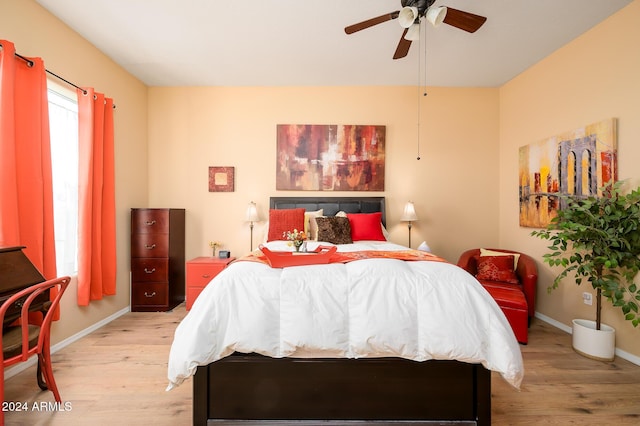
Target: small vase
(297, 244)
(214, 252)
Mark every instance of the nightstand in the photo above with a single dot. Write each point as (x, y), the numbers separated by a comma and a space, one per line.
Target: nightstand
(200, 271)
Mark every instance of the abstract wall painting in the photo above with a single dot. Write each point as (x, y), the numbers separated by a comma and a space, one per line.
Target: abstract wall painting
(330, 157)
(576, 163)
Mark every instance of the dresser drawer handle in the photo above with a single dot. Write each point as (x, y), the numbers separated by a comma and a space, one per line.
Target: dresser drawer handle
(205, 275)
(149, 271)
(149, 295)
(150, 247)
(150, 222)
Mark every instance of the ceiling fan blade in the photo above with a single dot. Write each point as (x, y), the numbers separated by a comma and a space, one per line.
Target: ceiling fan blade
(403, 46)
(371, 22)
(464, 20)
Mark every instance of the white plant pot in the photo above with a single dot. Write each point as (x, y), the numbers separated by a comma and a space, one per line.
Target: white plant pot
(595, 344)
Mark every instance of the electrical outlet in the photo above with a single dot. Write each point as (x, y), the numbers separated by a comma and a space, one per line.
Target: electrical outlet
(586, 298)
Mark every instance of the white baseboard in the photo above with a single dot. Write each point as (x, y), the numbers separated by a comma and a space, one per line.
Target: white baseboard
(553, 322)
(18, 368)
(619, 352)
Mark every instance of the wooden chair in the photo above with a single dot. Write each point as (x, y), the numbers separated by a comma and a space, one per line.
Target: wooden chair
(24, 339)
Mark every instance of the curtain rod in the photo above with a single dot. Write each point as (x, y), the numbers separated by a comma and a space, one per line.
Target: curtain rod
(30, 63)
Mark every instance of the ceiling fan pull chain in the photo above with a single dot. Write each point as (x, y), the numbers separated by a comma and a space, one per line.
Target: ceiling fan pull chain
(419, 101)
(424, 56)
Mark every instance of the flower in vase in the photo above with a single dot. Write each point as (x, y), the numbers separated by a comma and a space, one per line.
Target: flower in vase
(214, 245)
(295, 237)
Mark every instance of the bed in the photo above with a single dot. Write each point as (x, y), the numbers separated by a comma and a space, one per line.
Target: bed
(389, 335)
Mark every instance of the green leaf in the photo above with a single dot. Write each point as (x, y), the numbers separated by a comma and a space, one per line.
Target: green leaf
(598, 239)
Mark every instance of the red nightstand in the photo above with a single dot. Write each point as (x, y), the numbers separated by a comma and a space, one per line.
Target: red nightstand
(200, 271)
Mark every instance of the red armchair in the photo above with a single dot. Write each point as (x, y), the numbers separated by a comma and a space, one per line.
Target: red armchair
(517, 300)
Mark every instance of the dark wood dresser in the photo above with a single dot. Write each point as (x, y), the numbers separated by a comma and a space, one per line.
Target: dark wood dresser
(157, 259)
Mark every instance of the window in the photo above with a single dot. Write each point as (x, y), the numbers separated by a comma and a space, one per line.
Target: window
(63, 124)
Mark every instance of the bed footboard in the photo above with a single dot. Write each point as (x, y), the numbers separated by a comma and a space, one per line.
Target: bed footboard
(242, 389)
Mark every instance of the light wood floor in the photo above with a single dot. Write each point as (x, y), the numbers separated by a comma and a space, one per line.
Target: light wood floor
(117, 375)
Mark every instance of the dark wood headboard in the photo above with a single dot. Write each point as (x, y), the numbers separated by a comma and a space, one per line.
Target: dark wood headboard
(332, 205)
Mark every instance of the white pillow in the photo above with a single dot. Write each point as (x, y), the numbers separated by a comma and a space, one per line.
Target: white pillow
(265, 232)
(516, 256)
(310, 225)
(424, 247)
(385, 232)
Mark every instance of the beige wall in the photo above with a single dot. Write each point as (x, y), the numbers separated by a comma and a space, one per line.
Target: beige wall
(454, 185)
(464, 187)
(593, 78)
(35, 32)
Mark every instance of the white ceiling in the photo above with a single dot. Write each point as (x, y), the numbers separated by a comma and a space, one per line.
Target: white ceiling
(302, 43)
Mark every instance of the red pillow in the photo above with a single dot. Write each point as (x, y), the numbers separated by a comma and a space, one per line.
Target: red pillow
(281, 221)
(496, 268)
(366, 226)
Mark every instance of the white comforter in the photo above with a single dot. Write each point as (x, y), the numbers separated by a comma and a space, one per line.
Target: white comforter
(418, 310)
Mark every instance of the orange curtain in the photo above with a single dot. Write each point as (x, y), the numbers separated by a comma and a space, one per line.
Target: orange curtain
(96, 211)
(26, 194)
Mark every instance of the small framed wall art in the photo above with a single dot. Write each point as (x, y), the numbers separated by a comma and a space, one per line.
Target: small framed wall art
(221, 179)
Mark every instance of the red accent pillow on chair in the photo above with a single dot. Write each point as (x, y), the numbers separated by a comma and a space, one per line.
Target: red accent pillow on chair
(496, 268)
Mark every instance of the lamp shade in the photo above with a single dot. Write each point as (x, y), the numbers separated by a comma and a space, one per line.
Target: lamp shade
(436, 15)
(407, 16)
(409, 214)
(413, 33)
(252, 213)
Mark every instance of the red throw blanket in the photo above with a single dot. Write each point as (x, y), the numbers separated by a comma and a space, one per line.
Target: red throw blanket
(350, 256)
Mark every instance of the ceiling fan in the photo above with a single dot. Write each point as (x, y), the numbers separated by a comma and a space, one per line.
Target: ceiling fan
(409, 17)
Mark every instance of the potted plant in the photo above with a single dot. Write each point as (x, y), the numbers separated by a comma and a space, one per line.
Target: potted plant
(597, 239)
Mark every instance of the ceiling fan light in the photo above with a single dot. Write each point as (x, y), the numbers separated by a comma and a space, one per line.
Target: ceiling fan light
(435, 15)
(413, 33)
(407, 16)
